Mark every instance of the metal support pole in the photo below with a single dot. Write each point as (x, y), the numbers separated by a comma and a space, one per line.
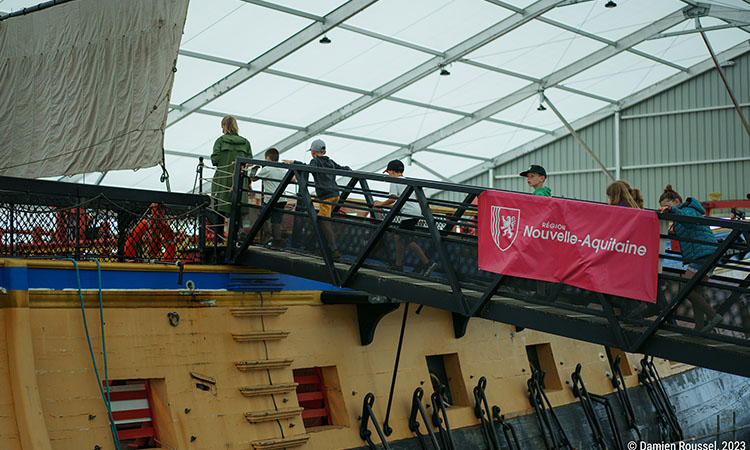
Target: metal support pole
(724, 80)
(491, 173)
(618, 162)
(386, 427)
(201, 165)
(577, 137)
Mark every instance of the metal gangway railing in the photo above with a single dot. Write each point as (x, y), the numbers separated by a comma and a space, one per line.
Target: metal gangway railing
(295, 240)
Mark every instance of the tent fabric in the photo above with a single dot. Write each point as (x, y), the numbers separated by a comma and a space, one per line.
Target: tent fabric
(82, 90)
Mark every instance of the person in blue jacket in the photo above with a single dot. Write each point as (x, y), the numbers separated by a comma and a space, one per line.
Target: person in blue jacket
(694, 254)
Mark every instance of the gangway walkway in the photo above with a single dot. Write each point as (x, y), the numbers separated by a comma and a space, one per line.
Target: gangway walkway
(366, 238)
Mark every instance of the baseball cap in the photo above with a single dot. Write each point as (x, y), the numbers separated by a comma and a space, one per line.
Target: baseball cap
(534, 169)
(396, 165)
(318, 146)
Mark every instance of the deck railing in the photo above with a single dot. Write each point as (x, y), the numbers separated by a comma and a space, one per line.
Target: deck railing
(48, 219)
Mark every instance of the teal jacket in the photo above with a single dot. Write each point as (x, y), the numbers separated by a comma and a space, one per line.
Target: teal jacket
(692, 251)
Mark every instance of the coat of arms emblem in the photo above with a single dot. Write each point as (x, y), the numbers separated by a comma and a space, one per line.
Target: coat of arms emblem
(504, 226)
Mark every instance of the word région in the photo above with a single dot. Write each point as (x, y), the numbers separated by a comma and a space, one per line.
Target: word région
(611, 244)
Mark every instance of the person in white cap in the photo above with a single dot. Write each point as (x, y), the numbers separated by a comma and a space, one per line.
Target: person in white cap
(326, 189)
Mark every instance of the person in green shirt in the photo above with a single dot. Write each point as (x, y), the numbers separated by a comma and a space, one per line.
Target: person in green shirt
(535, 177)
(227, 148)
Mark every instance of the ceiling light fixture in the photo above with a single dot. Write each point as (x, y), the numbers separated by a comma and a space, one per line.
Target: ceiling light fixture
(324, 40)
(541, 102)
(610, 4)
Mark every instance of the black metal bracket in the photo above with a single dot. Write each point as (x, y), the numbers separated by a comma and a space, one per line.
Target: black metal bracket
(440, 419)
(649, 377)
(587, 400)
(621, 390)
(368, 317)
(460, 322)
(484, 414)
(414, 425)
(368, 415)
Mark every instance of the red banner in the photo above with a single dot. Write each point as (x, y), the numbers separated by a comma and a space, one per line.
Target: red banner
(602, 248)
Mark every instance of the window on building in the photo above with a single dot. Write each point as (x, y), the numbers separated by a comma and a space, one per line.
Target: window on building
(541, 358)
(319, 393)
(446, 370)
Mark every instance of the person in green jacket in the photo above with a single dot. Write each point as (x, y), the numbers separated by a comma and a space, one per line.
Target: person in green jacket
(535, 177)
(227, 149)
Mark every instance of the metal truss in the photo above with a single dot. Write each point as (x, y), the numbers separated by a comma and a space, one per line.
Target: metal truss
(436, 63)
(519, 95)
(591, 36)
(342, 87)
(600, 114)
(267, 59)
(446, 233)
(431, 51)
(327, 133)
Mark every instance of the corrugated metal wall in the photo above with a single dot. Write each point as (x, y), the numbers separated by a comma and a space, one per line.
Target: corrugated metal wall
(668, 144)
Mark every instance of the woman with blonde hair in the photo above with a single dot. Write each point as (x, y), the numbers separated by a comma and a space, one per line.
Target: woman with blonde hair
(227, 148)
(621, 194)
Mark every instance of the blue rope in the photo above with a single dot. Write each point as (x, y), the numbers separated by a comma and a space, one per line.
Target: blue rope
(105, 396)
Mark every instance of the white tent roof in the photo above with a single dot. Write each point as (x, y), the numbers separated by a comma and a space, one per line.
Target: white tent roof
(375, 92)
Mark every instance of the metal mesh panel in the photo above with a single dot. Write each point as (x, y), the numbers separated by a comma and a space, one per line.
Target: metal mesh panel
(47, 225)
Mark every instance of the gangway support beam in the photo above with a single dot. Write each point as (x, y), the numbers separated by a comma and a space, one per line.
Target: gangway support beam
(542, 317)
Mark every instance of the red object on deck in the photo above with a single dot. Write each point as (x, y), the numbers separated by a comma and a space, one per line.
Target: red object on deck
(151, 235)
(725, 204)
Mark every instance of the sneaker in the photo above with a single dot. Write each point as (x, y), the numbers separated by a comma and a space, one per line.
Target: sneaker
(420, 267)
(712, 323)
(394, 268)
(335, 254)
(431, 265)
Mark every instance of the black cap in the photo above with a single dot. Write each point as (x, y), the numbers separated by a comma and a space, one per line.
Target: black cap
(534, 169)
(396, 165)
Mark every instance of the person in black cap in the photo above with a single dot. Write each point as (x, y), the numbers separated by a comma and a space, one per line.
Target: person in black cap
(410, 216)
(326, 189)
(535, 177)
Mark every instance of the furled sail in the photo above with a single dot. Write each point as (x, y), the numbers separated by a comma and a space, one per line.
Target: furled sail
(84, 86)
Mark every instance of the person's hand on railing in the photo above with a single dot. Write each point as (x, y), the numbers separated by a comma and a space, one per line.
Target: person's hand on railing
(288, 161)
(663, 209)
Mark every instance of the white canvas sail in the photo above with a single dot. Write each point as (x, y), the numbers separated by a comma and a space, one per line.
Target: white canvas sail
(84, 86)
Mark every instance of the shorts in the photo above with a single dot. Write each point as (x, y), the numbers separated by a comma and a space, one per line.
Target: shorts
(408, 225)
(327, 208)
(696, 265)
(277, 213)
